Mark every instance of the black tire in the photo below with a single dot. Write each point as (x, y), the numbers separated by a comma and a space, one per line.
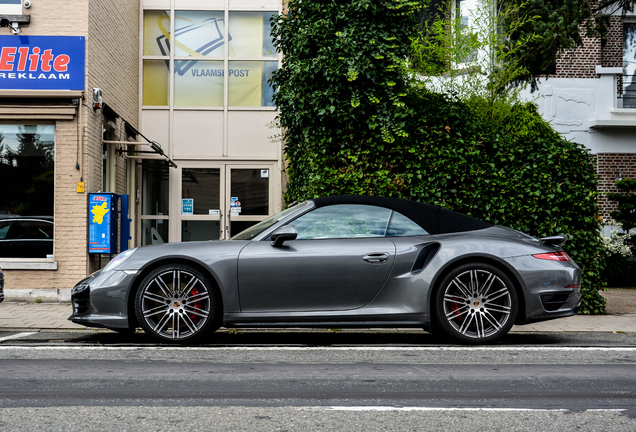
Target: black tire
(475, 303)
(176, 304)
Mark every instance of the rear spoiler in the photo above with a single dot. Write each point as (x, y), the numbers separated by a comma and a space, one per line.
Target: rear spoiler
(554, 240)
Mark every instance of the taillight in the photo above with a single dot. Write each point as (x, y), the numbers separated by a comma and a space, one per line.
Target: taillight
(553, 256)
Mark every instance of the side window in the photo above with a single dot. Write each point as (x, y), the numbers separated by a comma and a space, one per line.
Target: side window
(46, 230)
(16, 231)
(343, 221)
(4, 229)
(38, 230)
(401, 226)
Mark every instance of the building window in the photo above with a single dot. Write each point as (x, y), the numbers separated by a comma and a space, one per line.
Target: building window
(470, 20)
(155, 82)
(629, 65)
(201, 62)
(27, 173)
(198, 83)
(156, 32)
(203, 187)
(155, 202)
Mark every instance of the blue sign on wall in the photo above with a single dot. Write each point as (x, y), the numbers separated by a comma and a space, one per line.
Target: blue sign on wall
(42, 62)
(187, 206)
(102, 226)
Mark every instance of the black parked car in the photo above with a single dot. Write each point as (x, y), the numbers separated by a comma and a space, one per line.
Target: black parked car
(26, 236)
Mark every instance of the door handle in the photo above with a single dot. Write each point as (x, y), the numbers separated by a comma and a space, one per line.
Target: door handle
(376, 258)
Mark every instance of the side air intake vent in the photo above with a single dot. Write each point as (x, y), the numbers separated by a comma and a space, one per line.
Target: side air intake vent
(424, 257)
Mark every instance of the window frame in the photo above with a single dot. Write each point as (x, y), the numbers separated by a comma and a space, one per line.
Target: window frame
(627, 20)
(226, 59)
(45, 263)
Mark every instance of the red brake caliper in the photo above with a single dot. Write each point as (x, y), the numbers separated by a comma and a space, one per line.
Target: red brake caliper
(196, 304)
(454, 307)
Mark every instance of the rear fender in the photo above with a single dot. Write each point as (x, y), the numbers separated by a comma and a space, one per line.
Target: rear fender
(502, 265)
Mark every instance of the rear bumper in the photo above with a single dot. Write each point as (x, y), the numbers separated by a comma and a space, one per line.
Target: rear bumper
(552, 288)
(568, 308)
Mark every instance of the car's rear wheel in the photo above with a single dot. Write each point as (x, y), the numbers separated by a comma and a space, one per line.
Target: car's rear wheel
(175, 303)
(475, 304)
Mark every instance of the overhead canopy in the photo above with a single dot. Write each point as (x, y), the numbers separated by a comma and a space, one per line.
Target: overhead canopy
(143, 149)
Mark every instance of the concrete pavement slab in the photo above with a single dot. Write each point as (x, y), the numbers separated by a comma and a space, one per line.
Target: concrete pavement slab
(17, 315)
(584, 323)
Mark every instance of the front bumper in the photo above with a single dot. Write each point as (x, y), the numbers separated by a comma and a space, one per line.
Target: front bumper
(101, 300)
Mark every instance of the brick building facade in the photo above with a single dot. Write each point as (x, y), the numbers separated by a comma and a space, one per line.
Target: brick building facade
(581, 62)
(611, 167)
(587, 102)
(110, 29)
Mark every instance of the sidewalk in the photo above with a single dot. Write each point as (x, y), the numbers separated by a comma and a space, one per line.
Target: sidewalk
(621, 307)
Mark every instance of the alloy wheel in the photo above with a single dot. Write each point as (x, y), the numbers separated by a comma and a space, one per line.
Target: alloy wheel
(174, 304)
(476, 304)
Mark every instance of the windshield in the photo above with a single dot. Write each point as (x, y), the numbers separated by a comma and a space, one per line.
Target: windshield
(255, 230)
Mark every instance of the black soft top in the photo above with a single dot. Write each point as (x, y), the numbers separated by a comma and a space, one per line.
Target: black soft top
(433, 219)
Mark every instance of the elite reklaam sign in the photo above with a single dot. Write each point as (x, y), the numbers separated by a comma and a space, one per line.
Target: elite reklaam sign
(42, 62)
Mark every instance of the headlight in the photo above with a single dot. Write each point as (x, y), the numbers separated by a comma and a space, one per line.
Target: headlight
(119, 259)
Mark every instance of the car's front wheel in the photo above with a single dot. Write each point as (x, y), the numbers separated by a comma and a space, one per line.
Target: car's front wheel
(175, 303)
(475, 304)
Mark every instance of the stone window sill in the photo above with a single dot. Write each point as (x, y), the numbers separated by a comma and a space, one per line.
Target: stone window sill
(631, 111)
(28, 264)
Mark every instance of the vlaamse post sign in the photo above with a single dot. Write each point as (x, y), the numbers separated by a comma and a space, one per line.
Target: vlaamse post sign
(42, 62)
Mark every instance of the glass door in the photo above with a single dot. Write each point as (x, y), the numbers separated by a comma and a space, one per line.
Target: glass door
(219, 201)
(248, 196)
(201, 206)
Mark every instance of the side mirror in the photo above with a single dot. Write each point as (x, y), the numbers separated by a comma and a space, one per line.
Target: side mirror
(288, 232)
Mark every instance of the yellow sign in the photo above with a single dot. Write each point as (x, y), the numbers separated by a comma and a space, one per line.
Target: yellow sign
(80, 187)
(99, 211)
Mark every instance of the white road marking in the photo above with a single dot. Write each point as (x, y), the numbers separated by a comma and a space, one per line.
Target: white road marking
(389, 408)
(604, 410)
(287, 348)
(16, 336)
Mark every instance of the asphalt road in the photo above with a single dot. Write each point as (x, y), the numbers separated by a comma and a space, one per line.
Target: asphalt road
(317, 381)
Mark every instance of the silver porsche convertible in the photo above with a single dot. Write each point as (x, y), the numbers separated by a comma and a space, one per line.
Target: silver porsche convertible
(343, 261)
